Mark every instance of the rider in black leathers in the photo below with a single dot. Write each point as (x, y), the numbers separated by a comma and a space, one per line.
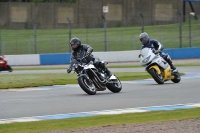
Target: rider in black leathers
(81, 50)
(158, 47)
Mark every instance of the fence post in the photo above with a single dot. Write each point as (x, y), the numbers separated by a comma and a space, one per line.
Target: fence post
(29, 46)
(134, 43)
(180, 27)
(142, 22)
(190, 35)
(69, 27)
(105, 11)
(35, 38)
(105, 36)
(55, 45)
(3, 47)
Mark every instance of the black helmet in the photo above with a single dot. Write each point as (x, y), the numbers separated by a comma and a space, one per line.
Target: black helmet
(75, 43)
(144, 38)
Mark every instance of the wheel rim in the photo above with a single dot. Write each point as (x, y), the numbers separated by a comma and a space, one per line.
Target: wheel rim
(89, 85)
(159, 75)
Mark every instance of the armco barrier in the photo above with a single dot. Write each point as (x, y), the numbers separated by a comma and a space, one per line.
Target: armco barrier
(52, 59)
(116, 56)
(18, 60)
(183, 53)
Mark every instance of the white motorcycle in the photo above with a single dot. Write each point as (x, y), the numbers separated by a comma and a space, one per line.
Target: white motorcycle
(157, 67)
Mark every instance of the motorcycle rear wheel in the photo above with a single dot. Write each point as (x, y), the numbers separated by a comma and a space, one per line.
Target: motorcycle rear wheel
(87, 86)
(157, 77)
(177, 78)
(115, 86)
(10, 69)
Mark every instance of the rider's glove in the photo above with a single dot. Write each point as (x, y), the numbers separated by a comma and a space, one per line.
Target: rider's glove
(69, 70)
(157, 51)
(87, 53)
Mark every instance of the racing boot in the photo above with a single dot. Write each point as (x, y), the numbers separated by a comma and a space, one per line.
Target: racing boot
(174, 70)
(108, 72)
(105, 69)
(169, 61)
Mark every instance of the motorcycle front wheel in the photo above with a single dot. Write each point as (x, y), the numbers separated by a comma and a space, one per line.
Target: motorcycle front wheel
(114, 86)
(87, 86)
(157, 77)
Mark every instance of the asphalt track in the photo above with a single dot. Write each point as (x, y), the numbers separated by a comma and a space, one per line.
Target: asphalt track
(51, 100)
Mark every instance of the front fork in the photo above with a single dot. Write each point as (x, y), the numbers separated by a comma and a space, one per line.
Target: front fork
(85, 76)
(166, 73)
(156, 68)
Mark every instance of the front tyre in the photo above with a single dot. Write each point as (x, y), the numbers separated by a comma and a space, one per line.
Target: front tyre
(157, 77)
(87, 86)
(114, 86)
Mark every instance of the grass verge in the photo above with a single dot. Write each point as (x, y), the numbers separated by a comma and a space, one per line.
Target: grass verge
(105, 120)
(127, 65)
(34, 80)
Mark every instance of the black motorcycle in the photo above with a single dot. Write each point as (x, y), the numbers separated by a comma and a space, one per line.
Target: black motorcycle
(92, 79)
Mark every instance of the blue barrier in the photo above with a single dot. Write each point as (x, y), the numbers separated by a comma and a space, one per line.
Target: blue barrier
(55, 59)
(176, 53)
(183, 53)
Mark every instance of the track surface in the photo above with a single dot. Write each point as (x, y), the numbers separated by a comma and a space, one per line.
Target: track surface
(65, 99)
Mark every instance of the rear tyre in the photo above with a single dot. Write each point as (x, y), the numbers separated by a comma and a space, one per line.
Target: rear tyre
(157, 77)
(87, 86)
(114, 86)
(177, 78)
(9, 68)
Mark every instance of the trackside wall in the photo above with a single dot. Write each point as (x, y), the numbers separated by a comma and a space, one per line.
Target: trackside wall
(117, 56)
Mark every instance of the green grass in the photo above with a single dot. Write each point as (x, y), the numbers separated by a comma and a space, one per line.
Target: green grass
(127, 65)
(34, 80)
(119, 39)
(105, 120)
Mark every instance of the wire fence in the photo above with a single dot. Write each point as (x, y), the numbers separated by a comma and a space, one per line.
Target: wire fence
(41, 41)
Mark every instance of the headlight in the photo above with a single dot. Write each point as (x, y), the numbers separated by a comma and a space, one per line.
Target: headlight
(146, 59)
